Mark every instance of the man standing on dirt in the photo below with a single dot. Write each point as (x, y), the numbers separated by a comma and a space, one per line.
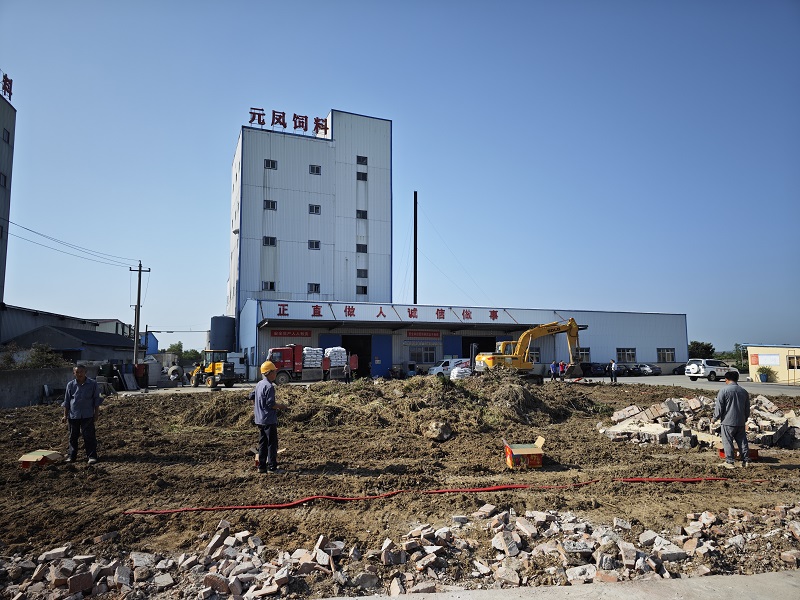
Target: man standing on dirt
(81, 401)
(732, 408)
(266, 418)
(612, 370)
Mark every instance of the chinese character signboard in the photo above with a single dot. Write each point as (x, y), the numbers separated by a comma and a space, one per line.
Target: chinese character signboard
(8, 82)
(305, 333)
(258, 117)
(417, 333)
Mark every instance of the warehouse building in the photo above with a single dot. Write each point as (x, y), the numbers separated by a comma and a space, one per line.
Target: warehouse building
(311, 262)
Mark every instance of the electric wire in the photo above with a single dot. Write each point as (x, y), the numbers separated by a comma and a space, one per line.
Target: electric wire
(458, 260)
(69, 245)
(448, 278)
(102, 262)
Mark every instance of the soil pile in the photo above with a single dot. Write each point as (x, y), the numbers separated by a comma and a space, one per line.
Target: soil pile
(194, 450)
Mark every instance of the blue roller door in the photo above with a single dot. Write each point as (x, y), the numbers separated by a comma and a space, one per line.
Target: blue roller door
(451, 345)
(381, 354)
(330, 340)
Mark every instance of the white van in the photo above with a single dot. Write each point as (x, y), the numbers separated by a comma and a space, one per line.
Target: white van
(444, 367)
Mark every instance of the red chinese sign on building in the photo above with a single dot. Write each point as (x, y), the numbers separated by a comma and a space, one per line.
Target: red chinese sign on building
(466, 314)
(283, 310)
(304, 333)
(8, 82)
(257, 116)
(493, 315)
(440, 313)
(316, 310)
(423, 334)
(349, 311)
(412, 313)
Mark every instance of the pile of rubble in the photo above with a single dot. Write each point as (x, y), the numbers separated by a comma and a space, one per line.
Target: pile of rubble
(686, 422)
(540, 548)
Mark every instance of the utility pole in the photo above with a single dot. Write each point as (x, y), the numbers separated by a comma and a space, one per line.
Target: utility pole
(415, 246)
(136, 314)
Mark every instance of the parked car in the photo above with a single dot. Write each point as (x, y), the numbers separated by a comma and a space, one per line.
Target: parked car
(648, 369)
(679, 370)
(593, 369)
(707, 368)
(633, 370)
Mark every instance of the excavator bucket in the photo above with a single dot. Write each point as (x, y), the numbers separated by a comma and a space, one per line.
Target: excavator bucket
(573, 371)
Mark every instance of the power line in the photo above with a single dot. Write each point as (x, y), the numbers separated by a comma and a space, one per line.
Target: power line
(446, 277)
(458, 260)
(69, 245)
(102, 262)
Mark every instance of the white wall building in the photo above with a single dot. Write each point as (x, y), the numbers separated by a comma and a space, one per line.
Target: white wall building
(310, 263)
(8, 119)
(311, 214)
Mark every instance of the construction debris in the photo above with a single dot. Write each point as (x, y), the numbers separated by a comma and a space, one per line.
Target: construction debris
(685, 423)
(539, 548)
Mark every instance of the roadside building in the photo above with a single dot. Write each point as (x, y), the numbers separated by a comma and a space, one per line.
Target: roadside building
(311, 262)
(784, 360)
(80, 345)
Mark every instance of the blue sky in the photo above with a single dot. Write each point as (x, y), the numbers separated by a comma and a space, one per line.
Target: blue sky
(617, 155)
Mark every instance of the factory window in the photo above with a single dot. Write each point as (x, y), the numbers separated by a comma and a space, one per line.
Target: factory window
(270, 205)
(422, 354)
(270, 164)
(314, 170)
(314, 209)
(6, 135)
(313, 288)
(2, 180)
(361, 273)
(361, 160)
(666, 354)
(313, 244)
(793, 362)
(361, 176)
(361, 290)
(584, 355)
(535, 354)
(267, 286)
(361, 214)
(270, 241)
(361, 248)
(626, 355)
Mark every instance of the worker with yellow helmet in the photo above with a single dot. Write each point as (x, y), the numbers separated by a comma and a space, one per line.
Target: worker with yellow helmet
(266, 418)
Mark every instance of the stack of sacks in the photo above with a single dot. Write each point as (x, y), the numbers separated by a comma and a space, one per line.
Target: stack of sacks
(337, 355)
(312, 357)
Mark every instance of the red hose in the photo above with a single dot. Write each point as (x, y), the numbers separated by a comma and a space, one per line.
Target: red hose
(495, 488)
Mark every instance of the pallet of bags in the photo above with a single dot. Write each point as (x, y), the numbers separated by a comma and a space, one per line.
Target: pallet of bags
(312, 357)
(337, 356)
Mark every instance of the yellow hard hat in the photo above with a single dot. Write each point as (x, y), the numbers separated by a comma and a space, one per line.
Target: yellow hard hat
(268, 366)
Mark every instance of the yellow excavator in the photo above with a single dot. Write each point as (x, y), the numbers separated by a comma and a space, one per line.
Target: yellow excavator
(517, 355)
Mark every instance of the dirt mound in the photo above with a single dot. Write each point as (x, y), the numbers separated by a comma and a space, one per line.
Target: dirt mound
(179, 450)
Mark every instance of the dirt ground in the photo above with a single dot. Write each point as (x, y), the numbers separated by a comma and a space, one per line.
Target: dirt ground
(192, 450)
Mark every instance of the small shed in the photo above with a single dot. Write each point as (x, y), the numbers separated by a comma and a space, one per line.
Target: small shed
(80, 344)
(783, 359)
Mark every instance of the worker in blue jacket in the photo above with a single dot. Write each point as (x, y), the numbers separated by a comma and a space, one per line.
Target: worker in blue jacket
(81, 403)
(265, 416)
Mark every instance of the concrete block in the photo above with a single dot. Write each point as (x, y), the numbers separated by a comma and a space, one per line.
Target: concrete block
(427, 561)
(646, 538)
(526, 527)
(504, 542)
(235, 586)
(423, 587)
(461, 519)
(794, 529)
(582, 573)
(605, 576)
(396, 588)
(791, 557)
(366, 580)
(481, 567)
(163, 581)
(671, 553)
(80, 582)
(122, 577)
(142, 559)
(54, 554)
(506, 575)
(216, 582)
(215, 543)
(282, 576)
(621, 523)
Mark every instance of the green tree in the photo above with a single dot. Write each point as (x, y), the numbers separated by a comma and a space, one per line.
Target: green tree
(701, 350)
(176, 348)
(192, 356)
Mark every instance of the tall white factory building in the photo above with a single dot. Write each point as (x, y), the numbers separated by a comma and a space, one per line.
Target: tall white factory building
(311, 210)
(8, 120)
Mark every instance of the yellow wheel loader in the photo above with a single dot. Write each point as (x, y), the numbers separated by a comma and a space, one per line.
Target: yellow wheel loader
(214, 370)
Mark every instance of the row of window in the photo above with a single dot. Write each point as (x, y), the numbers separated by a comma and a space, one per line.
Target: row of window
(628, 355)
(313, 209)
(313, 288)
(269, 240)
(315, 169)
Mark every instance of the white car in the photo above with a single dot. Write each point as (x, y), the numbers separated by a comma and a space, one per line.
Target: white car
(443, 368)
(707, 368)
